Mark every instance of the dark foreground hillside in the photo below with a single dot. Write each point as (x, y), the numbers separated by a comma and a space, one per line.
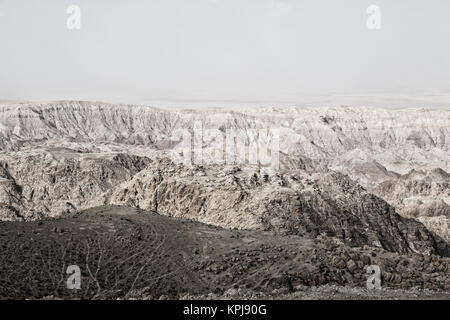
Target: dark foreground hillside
(126, 253)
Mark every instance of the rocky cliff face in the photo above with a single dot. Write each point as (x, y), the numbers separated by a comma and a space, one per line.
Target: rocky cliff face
(44, 184)
(66, 156)
(423, 193)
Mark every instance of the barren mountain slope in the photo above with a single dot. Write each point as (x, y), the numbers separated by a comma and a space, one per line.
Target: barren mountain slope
(127, 253)
(290, 202)
(293, 202)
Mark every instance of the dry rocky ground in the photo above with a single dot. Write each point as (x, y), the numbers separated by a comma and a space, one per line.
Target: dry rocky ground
(133, 254)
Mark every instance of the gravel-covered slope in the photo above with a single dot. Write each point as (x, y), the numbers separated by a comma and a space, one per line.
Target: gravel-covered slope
(127, 253)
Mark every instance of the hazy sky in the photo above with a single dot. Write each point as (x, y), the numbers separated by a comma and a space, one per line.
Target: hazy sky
(264, 50)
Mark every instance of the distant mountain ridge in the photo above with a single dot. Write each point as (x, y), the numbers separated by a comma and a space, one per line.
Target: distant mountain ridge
(414, 135)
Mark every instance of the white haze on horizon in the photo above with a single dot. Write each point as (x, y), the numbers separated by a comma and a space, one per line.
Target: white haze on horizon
(263, 52)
